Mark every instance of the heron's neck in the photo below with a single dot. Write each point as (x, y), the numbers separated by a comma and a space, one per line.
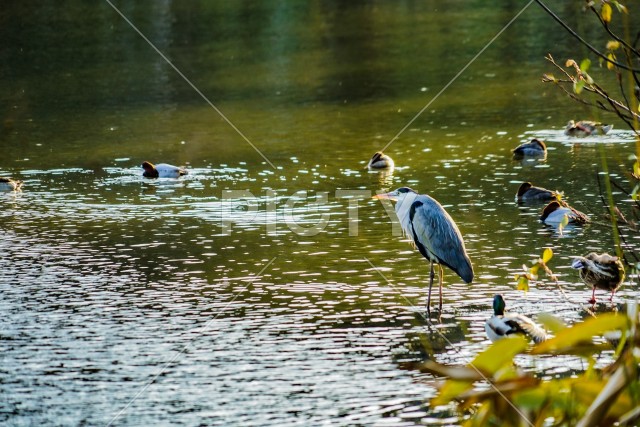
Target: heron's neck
(403, 209)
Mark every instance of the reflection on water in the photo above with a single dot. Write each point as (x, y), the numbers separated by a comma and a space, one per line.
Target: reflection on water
(148, 296)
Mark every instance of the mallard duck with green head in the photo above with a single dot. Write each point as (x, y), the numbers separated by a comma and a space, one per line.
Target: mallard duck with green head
(502, 324)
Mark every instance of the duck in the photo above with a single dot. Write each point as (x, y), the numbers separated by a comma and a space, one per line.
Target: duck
(8, 184)
(600, 271)
(528, 192)
(554, 212)
(585, 128)
(162, 170)
(501, 325)
(380, 161)
(534, 148)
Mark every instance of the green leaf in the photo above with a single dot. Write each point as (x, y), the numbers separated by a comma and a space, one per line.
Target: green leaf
(578, 86)
(585, 64)
(547, 255)
(523, 284)
(634, 193)
(585, 331)
(563, 222)
(605, 12)
(499, 354)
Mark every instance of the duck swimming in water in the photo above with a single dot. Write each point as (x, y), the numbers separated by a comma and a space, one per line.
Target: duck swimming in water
(501, 325)
(553, 213)
(161, 170)
(380, 161)
(532, 149)
(600, 271)
(527, 192)
(8, 184)
(585, 128)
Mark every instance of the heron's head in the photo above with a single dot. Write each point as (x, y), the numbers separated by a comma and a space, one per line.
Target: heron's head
(498, 305)
(398, 194)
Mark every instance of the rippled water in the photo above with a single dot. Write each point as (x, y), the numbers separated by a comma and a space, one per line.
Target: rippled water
(230, 296)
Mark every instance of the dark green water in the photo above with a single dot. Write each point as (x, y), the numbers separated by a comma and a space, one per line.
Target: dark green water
(226, 297)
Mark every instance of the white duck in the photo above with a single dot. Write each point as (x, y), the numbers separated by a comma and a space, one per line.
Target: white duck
(162, 170)
(380, 161)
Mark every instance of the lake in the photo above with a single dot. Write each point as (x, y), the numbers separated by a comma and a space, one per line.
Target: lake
(267, 287)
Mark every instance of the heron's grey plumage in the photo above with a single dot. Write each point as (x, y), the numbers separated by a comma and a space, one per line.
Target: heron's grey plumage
(433, 232)
(433, 229)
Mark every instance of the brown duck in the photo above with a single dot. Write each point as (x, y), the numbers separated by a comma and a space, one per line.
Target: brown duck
(600, 271)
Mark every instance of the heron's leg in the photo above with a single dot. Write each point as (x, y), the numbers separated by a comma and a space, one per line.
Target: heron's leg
(430, 285)
(612, 292)
(440, 274)
(593, 296)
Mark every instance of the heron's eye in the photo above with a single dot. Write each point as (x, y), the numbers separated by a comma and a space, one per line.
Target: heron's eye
(403, 190)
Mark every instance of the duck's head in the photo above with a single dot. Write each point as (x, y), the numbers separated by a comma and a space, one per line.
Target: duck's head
(524, 187)
(380, 161)
(498, 305)
(578, 263)
(397, 194)
(539, 144)
(149, 170)
(550, 208)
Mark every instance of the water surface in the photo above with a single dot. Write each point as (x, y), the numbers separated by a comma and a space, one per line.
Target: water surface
(217, 298)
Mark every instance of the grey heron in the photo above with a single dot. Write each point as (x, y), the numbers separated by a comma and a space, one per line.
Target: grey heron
(380, 161)
(601, 271)
(162, 170)
(433, 232)
(527, 192)
(503, 324)
(585, 128)
(534, 148)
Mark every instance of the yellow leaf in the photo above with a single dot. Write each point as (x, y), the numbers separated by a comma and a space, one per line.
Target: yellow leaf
(499, 354)
(565, 221)
(450, 390)
(611, 57)
(551, 322)
(547, 255)
(581, 332)
(606, 12)
(534, 269)
(613, 45)
(570, 63)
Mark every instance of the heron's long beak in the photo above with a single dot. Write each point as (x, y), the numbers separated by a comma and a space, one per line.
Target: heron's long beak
(388, 196)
